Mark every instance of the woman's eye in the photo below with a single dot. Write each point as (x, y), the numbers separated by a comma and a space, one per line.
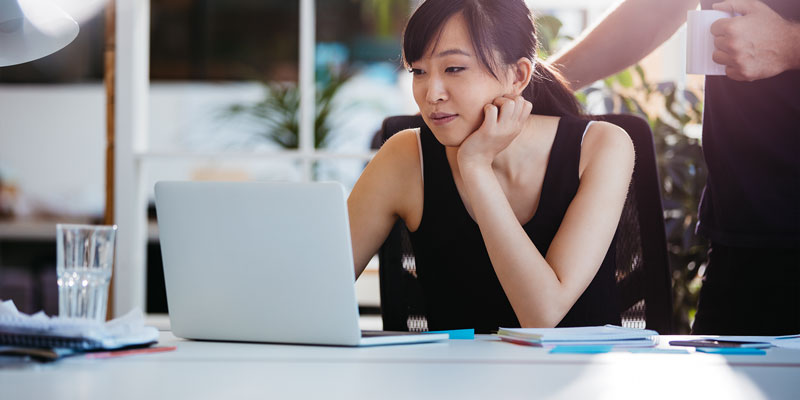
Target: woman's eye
(416, 71)
(454, 69)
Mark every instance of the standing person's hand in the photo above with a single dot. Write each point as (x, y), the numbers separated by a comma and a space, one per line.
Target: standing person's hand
(503, 121)
(756, 45)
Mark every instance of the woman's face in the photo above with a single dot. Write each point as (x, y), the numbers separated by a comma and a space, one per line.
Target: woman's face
(451, 86)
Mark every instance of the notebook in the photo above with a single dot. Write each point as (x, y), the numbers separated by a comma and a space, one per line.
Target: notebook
(262, 262)
(610, 335)
(49, 338)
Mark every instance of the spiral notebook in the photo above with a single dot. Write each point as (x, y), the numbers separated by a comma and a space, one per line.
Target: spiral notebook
(38, 331)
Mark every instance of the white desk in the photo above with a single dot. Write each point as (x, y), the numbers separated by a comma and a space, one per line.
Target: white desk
(456, 369)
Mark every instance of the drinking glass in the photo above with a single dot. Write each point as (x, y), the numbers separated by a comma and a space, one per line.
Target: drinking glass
(83, 263)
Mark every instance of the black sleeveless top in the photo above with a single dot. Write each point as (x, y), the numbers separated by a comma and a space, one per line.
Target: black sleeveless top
(458, 282)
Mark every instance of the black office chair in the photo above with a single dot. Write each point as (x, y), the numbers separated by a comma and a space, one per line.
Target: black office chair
(643, 275)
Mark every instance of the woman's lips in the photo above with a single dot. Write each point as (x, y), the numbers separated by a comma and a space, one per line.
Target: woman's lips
(442, 118)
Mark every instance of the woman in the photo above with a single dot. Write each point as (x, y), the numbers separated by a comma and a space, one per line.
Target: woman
(512, 199)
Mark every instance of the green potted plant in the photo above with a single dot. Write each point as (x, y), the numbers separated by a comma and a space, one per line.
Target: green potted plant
(279, 110)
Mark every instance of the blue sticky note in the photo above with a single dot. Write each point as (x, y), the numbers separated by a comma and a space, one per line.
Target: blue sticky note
(732, 351)
(581, 349)
(467, 334)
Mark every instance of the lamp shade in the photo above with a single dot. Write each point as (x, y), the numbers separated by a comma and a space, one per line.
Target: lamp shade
(32, 29)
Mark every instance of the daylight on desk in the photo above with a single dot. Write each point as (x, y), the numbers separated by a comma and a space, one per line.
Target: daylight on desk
(196, 185)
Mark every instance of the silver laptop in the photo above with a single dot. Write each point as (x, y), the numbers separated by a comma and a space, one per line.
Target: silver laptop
(262, 262)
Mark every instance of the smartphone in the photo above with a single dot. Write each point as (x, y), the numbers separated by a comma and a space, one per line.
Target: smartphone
(720, 343)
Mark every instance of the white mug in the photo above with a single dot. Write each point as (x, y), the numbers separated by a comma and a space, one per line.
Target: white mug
(700, 42)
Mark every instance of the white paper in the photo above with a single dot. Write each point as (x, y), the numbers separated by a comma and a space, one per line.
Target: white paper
(123, 331)
(608, 334)
(787, 342)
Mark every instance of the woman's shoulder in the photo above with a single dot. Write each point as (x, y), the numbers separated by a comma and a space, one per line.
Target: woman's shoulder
(398, 159)
(402, 147)
(606, 144)
(604, 136)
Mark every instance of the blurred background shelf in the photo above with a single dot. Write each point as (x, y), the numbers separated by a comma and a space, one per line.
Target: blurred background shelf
(37, 229)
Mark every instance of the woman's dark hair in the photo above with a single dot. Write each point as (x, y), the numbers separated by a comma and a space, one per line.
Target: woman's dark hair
(504, 26)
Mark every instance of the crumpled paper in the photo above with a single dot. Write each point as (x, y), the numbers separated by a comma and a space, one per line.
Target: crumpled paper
(126, 330)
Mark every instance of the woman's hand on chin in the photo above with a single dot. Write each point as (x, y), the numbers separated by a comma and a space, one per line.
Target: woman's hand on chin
(503, 121)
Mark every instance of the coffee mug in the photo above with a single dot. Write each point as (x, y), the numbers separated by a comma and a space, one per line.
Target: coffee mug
(700, 42)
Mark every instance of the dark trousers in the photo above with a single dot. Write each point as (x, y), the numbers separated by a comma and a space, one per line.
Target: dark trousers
(749, 291)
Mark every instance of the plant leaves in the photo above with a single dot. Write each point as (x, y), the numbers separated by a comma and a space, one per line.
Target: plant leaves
(624, 78)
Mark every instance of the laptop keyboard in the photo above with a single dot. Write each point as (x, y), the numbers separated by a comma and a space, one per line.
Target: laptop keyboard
(366, 334)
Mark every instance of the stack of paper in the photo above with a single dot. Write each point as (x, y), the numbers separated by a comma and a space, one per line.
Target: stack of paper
(55, 336)
(609, 335)
(787, 342)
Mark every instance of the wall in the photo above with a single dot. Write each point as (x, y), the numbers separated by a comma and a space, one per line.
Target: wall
(52, 146)
(52, 137)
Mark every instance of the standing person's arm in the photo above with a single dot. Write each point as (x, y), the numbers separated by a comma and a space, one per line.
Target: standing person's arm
(756, 45)
(624, 36)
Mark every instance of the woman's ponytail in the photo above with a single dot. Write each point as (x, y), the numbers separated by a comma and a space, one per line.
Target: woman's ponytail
(549, 93)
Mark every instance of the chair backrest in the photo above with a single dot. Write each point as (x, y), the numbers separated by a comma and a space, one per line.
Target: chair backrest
(643, 276)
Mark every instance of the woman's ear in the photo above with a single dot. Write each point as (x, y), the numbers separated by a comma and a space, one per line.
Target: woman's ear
(522, 72)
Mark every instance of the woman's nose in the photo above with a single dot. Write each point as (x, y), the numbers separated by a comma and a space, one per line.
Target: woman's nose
(436, 91)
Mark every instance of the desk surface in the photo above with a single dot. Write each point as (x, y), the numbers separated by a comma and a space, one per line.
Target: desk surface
(481, 368)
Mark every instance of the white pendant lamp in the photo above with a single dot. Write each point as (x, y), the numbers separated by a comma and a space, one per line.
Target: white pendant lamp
(32, 29)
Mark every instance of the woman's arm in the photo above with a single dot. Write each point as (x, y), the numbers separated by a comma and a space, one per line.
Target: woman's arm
(542, 289)
(390, 187)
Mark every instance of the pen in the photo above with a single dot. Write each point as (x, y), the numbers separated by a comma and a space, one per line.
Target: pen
(121, 353)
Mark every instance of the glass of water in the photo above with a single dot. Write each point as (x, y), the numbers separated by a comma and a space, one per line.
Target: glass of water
(84, 261)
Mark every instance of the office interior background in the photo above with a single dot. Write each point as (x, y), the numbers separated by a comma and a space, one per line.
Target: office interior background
(224, 83)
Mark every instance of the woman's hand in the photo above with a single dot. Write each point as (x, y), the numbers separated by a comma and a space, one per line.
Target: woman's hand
(503, 121)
